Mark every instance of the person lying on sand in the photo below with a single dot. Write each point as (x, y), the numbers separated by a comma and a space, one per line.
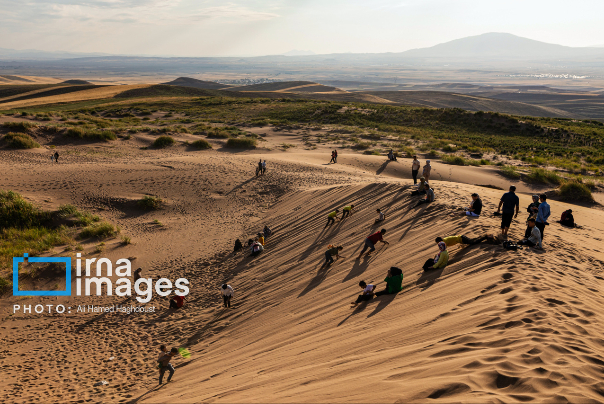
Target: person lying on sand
(347, 211)
(227, 293)
(332, 250)
(461, 239)
(421, 188)
(381, 216)
(429, 197)
(394, 282)
(534, 240)
(331, 218)
(371, 240)
(164, 362)
(441, 259)
(366, 295)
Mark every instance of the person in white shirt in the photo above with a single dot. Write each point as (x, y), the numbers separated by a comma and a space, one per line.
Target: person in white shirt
(263, 167)
(366, 295)
(381, 216)
(415, 169)
(227, 293)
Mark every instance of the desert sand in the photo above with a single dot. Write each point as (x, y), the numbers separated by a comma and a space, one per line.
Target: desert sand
(493, 326)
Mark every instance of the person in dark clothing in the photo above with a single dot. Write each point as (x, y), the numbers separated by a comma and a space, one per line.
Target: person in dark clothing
(335, 152)
(475, 207)
(333, 157)
(509, 201)
(366, 295)
(259, 168)
(567, 218)
(394, 281)
(238, 246)
(56, 157)
(137, 274)
(532, 210)
(333, 250)
(177, 302)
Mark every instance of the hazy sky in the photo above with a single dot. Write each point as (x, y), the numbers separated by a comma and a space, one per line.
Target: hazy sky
(261, 27)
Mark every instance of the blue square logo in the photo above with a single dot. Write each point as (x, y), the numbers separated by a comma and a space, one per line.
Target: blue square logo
(17, 292)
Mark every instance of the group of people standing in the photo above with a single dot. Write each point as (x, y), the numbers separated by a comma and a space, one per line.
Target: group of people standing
(261, 168)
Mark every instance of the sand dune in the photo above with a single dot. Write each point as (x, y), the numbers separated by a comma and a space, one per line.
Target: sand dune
(493, 326)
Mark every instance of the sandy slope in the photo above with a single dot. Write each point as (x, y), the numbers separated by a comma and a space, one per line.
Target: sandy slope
(492, 326)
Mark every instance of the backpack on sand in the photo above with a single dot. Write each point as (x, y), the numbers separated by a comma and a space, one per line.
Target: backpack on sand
(510, 245)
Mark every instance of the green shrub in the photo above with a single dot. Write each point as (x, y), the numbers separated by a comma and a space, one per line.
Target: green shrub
(4, 285)
(89, 134)
(150, 202)
(17, 140)
(459, 161)
(201, 144)
(362, 145)
(509, 172)
(543, 176)
(16, 212)
(575, 191)
(449, 149)
(163, 141)
(19, 126)
(218, 135)
(246, 143)
(100, 230)
(82, 218)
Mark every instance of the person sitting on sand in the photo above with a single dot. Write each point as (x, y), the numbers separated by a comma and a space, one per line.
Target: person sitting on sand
(427, 170)
(366, 295)
(238, 246)
(475, 207)
(176, 302)
(534, 240)
(137, 274)
(441, 259)
(532, 210)
(332, 250)
(331, 218)
(567, 218)
(391, 155)
(381, 216)
(429, 197)
(260, 238)
(371, 241)
(227, 293)
(257, 248)
(347, 211)
(267, 232)
(394, 282)
(164, 362)
(421, 188)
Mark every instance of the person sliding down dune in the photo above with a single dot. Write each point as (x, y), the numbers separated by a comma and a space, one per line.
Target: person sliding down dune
(333, 250)
(461, 239)
(441, 259)
(366, 295)
(381, 216)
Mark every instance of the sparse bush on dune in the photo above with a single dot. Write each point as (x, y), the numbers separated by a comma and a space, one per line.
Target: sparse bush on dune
(150, 202)
(82, 133)
(460, 161)
(246, 143)
(18, 140)
(163, 141)
(574, 191)
(19, 126)
(201, 144)
(100, 230)
(543, 176)
(509, 172)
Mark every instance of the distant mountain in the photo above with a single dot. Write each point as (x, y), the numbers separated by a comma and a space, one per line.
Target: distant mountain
(296, 52)
(501, 46)
(34, 54)
(189, 82)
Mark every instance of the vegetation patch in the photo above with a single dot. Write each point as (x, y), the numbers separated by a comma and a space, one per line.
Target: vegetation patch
(246, 143)
(574, 191)
(100, 230)
(509, 172)
(90, 134)
(460, 161)
(19, 126)
(201, 144)
(20, 140)
(150, 203)
(163, 141)
(543, 176)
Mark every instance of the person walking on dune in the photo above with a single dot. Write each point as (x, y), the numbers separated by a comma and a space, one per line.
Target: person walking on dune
(427, 171)
(56, 157)
(335, 153)
(347, 211)
(164, 362)
(259, 168)
(371, 241)
(331, 218)
(415, 169)
(264, 167)
(333, 157)
(227, 293)
(332, 250)
(509, 201)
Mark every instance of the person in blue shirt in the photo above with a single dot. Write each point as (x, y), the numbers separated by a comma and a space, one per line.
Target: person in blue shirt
(509, 201)
(542, 214)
